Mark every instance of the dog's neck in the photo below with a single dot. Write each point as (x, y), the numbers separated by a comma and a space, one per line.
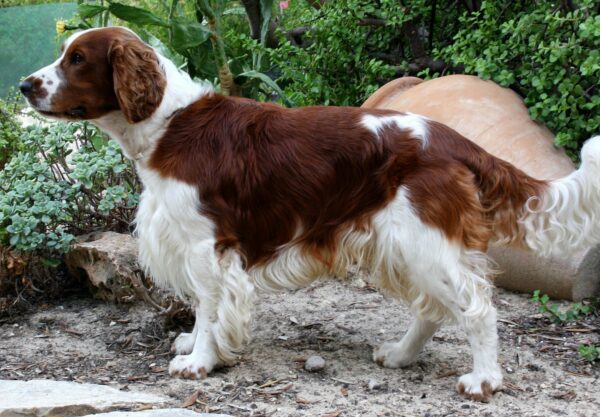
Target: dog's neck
(138, 140)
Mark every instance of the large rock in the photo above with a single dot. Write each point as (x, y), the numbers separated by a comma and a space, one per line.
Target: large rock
(170, 412)
(45, 398)
(497, 120)
(108, 260)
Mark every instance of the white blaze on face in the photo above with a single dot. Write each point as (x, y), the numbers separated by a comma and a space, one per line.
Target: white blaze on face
(50, 78)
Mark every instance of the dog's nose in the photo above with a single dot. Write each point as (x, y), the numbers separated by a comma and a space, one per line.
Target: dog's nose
(26, 87)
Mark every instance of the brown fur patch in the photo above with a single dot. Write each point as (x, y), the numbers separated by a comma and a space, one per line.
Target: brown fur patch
(502, 189)
(484, 396)
(138, 79)
(268, 176)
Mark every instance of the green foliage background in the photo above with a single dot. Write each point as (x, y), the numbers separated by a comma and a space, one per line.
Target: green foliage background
(28, 41)
(548, 55)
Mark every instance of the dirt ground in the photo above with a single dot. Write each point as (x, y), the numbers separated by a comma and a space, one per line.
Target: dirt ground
(127, 347)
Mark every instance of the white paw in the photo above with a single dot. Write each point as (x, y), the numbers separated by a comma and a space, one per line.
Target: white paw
(193, 366)
(393, 355)
(183, 344)
(479, 387)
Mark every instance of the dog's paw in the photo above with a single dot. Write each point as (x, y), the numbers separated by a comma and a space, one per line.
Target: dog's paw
(193, 366)
(393, 355)
(183, 344)
(478, 387)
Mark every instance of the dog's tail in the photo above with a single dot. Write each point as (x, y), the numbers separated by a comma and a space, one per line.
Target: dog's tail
(557, 217)
(565, 216)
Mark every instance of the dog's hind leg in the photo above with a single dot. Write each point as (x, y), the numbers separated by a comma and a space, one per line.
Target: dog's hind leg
(440, 278)
(184, 343)
(462, 288)
(403, 353)
(234, 311)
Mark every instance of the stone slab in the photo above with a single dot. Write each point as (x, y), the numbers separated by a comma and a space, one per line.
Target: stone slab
(166, 412)
(46, 398)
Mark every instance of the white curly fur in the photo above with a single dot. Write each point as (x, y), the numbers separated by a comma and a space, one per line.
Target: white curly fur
(564, 219)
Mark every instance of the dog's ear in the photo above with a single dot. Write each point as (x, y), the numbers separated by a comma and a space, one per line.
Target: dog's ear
(138, 79)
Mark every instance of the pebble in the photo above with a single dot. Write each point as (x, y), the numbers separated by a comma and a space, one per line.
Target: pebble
(314, 363)
(374, 384)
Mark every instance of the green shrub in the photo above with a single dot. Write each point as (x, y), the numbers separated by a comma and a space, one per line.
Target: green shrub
(549, 55)
(575, 312)
(64, 180)
(10, 130)
(335, 63)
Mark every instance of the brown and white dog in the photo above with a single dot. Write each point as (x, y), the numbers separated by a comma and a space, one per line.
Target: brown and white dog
(240, 195)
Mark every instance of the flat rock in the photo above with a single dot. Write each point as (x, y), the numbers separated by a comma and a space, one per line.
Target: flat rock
(166, 412)
(108, 261)
(45, 398)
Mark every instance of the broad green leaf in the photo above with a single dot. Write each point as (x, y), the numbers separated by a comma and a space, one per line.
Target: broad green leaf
(188, 34)
(203, 60)
(136, 15)
(87, 11)
(269, 82)
(266, 10)
(157, 44)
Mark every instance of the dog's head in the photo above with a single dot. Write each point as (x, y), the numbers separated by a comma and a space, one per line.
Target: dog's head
(99, 71)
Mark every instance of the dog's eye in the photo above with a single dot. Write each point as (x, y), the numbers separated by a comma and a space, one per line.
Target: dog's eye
(76, 58)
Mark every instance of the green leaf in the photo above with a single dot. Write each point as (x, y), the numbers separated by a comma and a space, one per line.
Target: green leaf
(238, 11)
(203, 61)
(136, 15)
(266, 10)
(187, 34)
(87, 11)
(268, 81)
(50, 262)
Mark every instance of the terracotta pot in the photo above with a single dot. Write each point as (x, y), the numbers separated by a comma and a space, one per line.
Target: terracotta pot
(497, 120)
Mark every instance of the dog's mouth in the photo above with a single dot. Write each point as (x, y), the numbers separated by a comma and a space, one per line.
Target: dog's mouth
(74, 112)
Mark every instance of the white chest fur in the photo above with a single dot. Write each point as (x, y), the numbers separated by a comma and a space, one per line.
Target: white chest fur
(170, 228)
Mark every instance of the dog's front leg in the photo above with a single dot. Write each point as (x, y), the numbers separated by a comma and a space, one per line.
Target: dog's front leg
(184, 343)
(224, 295)
(202, 357)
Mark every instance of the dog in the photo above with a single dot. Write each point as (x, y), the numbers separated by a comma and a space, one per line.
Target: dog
(242, 196)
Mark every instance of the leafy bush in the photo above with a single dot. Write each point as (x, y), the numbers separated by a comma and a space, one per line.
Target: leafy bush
(335, 62)
(10, 130)
(547, 54)
(188, 32)
(64, 180)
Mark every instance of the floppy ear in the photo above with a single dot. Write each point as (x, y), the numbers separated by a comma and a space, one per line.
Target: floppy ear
(138, 79)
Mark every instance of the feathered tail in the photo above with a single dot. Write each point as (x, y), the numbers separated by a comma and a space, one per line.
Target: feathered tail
(565, 217)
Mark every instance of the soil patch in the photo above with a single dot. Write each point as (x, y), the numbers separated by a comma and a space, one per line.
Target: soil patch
(127, 347)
